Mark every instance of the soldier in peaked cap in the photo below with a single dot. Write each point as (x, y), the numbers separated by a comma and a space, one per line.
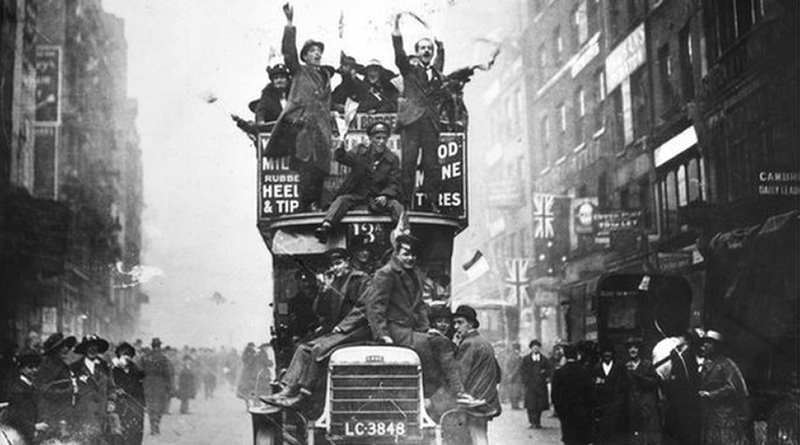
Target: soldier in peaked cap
(374, 180)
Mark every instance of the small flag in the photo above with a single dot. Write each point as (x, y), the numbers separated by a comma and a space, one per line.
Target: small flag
(476, 266)
(341, 23)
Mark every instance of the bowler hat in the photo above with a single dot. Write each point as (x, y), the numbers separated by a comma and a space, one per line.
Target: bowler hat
(91, 340)
(28, 359)
(378, 127)
(55, 341)
(469, 313)
(637, 341)
(337, 254)
(307, 46)
(125, 347)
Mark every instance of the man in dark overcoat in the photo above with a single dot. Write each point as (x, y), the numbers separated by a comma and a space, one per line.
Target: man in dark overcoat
(187, 383)
(158, 384)
(307, 367)
(340, 291)
(479, 372)
(95, 389)
(303, 129)
(611, 389)
(535, 371)
(23, 412)
(57, 387)
(418, 114)
(395, 307)
(573, 399)
(643, 419)
(129, 381)
(374, 179)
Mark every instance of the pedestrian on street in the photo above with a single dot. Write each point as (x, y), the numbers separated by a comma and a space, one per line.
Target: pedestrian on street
(644, 420)
(573, 399)
(479, 372)
(512, 377)
(158, 384)
(129, 381)
(247, 379)
(723, 396)
(611, 389)
(187, 384)
(535, 371)
(23, 412)
(57, 387)
(96, 391)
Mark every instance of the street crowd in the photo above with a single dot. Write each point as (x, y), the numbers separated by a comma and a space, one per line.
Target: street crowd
(94, 393)
(613, 394)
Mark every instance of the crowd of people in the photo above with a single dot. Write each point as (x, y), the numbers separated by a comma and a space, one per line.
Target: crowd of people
(349, 305)
(693, 395)
(297, 103)
(92, 392)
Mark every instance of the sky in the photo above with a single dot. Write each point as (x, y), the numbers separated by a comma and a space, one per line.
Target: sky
(200, 170)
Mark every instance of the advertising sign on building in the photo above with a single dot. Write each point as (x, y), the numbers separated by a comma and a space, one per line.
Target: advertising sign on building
(623, 60)
(48, 85)
(616, 220)
(584, 209)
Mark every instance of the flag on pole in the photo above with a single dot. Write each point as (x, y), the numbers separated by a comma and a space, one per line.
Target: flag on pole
(341, 23)
(476, 266)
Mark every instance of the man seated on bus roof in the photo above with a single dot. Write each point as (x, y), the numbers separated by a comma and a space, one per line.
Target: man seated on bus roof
(342, 297)
(374, 179)
(398, 315)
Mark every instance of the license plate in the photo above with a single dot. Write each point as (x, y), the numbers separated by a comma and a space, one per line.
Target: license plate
(374, 429)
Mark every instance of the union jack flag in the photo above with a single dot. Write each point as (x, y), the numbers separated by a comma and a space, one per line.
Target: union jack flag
(543, 216)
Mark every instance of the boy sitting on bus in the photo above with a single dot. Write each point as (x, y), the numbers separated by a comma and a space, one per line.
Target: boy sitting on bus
(374, 179)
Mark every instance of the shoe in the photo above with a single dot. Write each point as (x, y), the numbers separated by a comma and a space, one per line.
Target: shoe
(293, 400)
(273, 399)
(467, 400)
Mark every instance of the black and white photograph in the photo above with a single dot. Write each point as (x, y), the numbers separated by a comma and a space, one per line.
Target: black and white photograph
(412, 222)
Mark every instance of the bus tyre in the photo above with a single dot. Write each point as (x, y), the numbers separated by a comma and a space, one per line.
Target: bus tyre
(782, 428)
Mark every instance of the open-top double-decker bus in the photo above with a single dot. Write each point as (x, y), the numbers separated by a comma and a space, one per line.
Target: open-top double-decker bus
(373, 392)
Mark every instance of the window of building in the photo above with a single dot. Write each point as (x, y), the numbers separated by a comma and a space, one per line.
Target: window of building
(614, 18)
(602, 191)
(639, 102)
(686, 63)
(542, 62)
(679, 184)
(545, 134)
(561, 111)
(593, 15)
(580, 24)
(727, 21)
(558, 45)
(579, 103)
(618, 119)
(665, 76)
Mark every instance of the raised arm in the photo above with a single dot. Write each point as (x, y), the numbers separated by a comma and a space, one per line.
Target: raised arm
(289, 43)
(438, 63)
(400, 57)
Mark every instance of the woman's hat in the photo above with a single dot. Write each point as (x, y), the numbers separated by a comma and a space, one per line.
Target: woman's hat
(55, 341)
(125, 347)
(375, 64)
(91, 340)
(469, 313)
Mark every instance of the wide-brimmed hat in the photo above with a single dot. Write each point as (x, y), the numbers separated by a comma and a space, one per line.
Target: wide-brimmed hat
(385, 73)
(91, 340)
(469, 313)
(55, 341)
(124, 347)
(309, 43)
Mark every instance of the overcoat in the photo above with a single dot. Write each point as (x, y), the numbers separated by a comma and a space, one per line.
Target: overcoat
(726, 414)
(420, 95)
(269, 105)
(94, 391)
(534, 378)
(353, 328)
(573, 400)
(187, 384)
(394, 306)
(480, 373)
(158, 380)
(23, 412)
(303, 128)
(371, 173)
(611, 414)
(55, 384)
(130, 404)
(333, 304)
(643, 402)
